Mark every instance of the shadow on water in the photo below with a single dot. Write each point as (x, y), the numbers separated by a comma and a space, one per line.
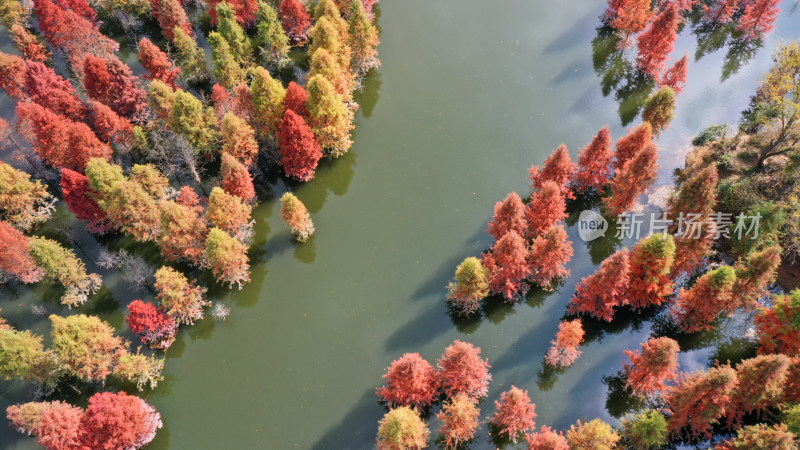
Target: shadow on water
(620, 400)
(356, 429)
(416, 332)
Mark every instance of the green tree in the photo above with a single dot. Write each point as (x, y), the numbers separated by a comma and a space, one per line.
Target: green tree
(86, 345)
(645, 430)
(23, 203)
(470, 286)
(23, 356)
(227, 258)
(229, 28)
(227, 69)
(181, 299)
(190, 57)
(196, 123)
(659, 109)
(268, 95)
(270, 37)
(60, 265)
(402, 428)
(329, 117)
(363, 39)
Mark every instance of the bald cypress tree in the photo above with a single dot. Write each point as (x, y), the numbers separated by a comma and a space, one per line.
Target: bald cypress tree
(329, 117)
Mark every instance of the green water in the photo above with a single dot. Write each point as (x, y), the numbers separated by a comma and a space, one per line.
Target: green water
(469, 95)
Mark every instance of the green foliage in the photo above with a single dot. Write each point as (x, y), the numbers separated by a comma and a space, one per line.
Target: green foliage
(270, 36)
(160, 98)
(140, 369)
(710, 134)
(659, 109)
(60, 265)
(87, 345)
(103, 176)
(190, 57)
(150, 179)
(329, 117)
(268, 95)
(23, 356)
(402, 428)
(791, 418)
(645, 430)
(470, 286)
(233, 33)
(768, 228)
(195, 122)
(227, 69)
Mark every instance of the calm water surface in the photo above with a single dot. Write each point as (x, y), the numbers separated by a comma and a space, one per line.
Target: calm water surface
(470, 94)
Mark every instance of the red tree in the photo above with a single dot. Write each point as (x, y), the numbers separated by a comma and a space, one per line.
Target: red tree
(761, 384)
(15, 258)
(549, 255)
(67, 30)
(79, 198)
(12, 75)
(545, 209)
(594, 164)
(45, 87)
(170, 15)
(189, 198)
(460, 419)
(29, 44)
(410, 381)
(651, 260)
(245, 11)
(118, 420)
(112, 83)
(759, 18)
(564, 350)
(154, 327)
(461, 370)
(547, 439)
(650, 369)
(295, 20)
(629, 17)
(700, 399)
(631, 144)
(509, 215)
(508, 266)
(157, 64)
(295, 99)
(54, 424)
(656, 43)
(675, 76)
(236, 179)
(300, 151)
(598, 294)
(109, 126)
(558, 167)
(59, 141)
(711, 295)
(723, 13)
(80, 7)
(633, 180)
(754, 274)
(222, 100)
(777, 326)
(514, 413)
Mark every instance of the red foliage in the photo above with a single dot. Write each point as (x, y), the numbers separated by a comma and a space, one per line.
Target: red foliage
(711, 295)
(80, 7)
(514, 413)
(45, 87)
(242, 104)
(59, 141)
(12, 75)
(656, 43)
(153, 326)
(759, 18)
(509, 215)
(295, 20)
(633, 180)
(410, 381)
(14, 257)
(109, 126)
(650, 264)
(508, 267)
(723, 13)
(300, 151)
(28, 44)
(630, 16)
(564, 350)
(118, 420)
(112, 83)
(79, 198)
(650, 369)
(245, 10)
(295, 99)
(157, 64)
(594, 164)
(558, 167)
(54, 424)
(690, 253)
(236, 179)
(777, 326)
(545, 209)
(549, 255)
(754, 274)
(700, 399)
(675, 76)
(598, 294)
(461, 370)
(67, 30)
(170, 14)
(222, 100)
(188, 197)
(631, 144)
(761, 384)
(547, 439)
